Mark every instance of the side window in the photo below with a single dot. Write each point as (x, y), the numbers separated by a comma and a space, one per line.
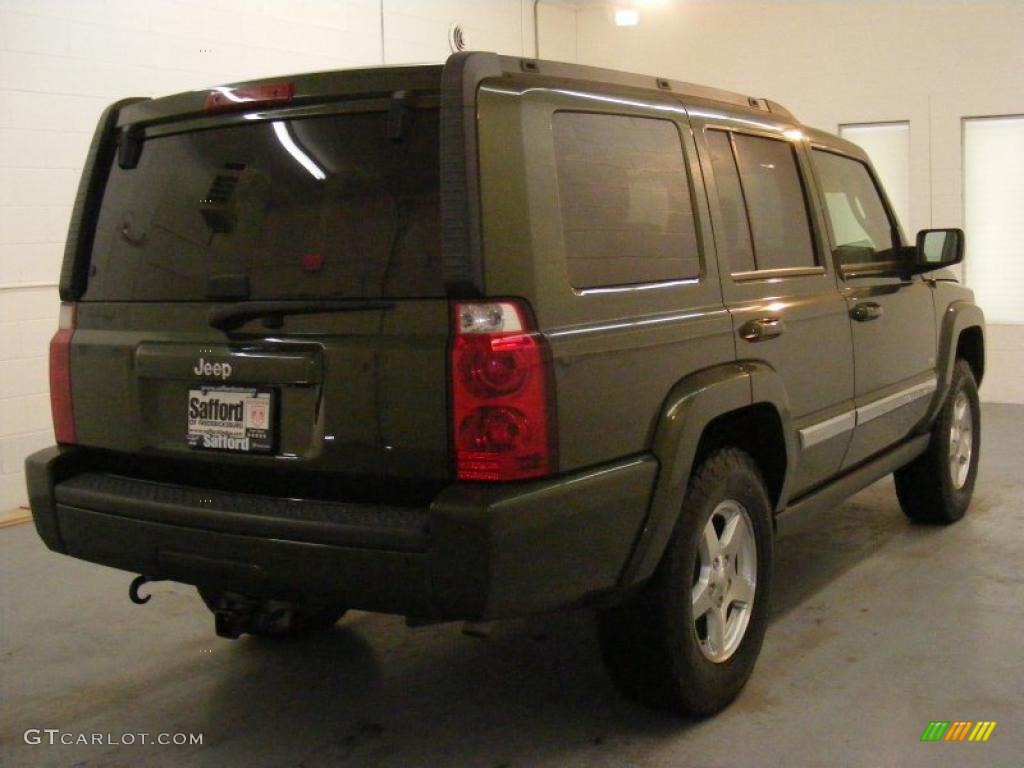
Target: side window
(734, 230)
(863, 231)
(779, 219)
(761, 196)
(625, 200)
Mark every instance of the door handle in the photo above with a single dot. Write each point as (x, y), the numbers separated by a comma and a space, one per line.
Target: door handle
(762, 328)
(868, 310)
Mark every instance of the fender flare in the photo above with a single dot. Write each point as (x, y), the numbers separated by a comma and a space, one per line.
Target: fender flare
(692, 404)
(958, 317)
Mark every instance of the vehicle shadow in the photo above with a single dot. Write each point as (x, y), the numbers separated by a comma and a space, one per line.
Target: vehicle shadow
(831, 543)
(374, 692)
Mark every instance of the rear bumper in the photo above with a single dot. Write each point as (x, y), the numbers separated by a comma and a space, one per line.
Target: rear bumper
(476, 552)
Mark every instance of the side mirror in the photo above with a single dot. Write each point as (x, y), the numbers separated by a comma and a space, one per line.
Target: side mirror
(937, 249)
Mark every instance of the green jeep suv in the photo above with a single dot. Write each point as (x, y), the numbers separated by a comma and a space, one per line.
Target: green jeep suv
(492, 338)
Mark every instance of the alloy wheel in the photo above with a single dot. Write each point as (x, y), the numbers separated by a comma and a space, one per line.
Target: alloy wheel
(724, 581)
(961, 440)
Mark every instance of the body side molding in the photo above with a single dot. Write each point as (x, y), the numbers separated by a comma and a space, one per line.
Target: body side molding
(827, 429)
(889, 403)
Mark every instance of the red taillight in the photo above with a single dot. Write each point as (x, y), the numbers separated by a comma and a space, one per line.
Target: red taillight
(504, 425)
(60, 377)
(225, 98)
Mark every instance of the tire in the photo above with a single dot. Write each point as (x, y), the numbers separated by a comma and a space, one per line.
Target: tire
(270, 617)
(654, 648)
(937, 486)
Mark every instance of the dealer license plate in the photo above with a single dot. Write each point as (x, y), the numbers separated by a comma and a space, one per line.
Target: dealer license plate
(228, 419)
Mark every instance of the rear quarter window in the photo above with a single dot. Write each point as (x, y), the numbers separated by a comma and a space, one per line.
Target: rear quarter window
(624, 196)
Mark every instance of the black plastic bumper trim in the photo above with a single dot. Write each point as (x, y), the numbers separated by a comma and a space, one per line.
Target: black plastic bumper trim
(404, 529)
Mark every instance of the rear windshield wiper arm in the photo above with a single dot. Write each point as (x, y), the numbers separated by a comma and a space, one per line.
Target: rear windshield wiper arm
(231, 317)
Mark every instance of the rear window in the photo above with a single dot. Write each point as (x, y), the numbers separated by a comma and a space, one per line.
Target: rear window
(308, 208)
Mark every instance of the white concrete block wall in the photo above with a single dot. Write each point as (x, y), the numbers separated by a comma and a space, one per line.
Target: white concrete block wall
(63, 61)
(832, 62)
(557, 23)
(1004, 382)
(27, 319)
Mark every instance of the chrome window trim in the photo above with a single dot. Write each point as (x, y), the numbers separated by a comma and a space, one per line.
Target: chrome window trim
(769, 274)
(632, 287)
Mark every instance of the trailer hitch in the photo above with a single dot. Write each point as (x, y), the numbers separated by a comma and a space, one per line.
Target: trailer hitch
(133, 590)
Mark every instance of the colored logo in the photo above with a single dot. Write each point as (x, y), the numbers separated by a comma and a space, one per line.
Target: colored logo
(958, 730)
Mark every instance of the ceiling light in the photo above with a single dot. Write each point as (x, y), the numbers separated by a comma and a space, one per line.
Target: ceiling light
(627, 17)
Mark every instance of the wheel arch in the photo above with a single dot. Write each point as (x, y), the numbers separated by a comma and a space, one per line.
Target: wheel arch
(970, 346)
(757, 430)
(742, 404)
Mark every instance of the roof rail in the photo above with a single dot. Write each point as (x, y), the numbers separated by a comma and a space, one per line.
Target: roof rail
(514, 64)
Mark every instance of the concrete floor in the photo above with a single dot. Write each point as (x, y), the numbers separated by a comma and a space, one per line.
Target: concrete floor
(879, 627)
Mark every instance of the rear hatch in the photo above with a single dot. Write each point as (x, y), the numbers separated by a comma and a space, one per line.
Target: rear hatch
(263, 286)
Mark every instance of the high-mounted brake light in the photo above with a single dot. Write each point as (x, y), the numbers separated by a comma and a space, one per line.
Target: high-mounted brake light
(60, 377)
(503, 407)
(225, 98)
